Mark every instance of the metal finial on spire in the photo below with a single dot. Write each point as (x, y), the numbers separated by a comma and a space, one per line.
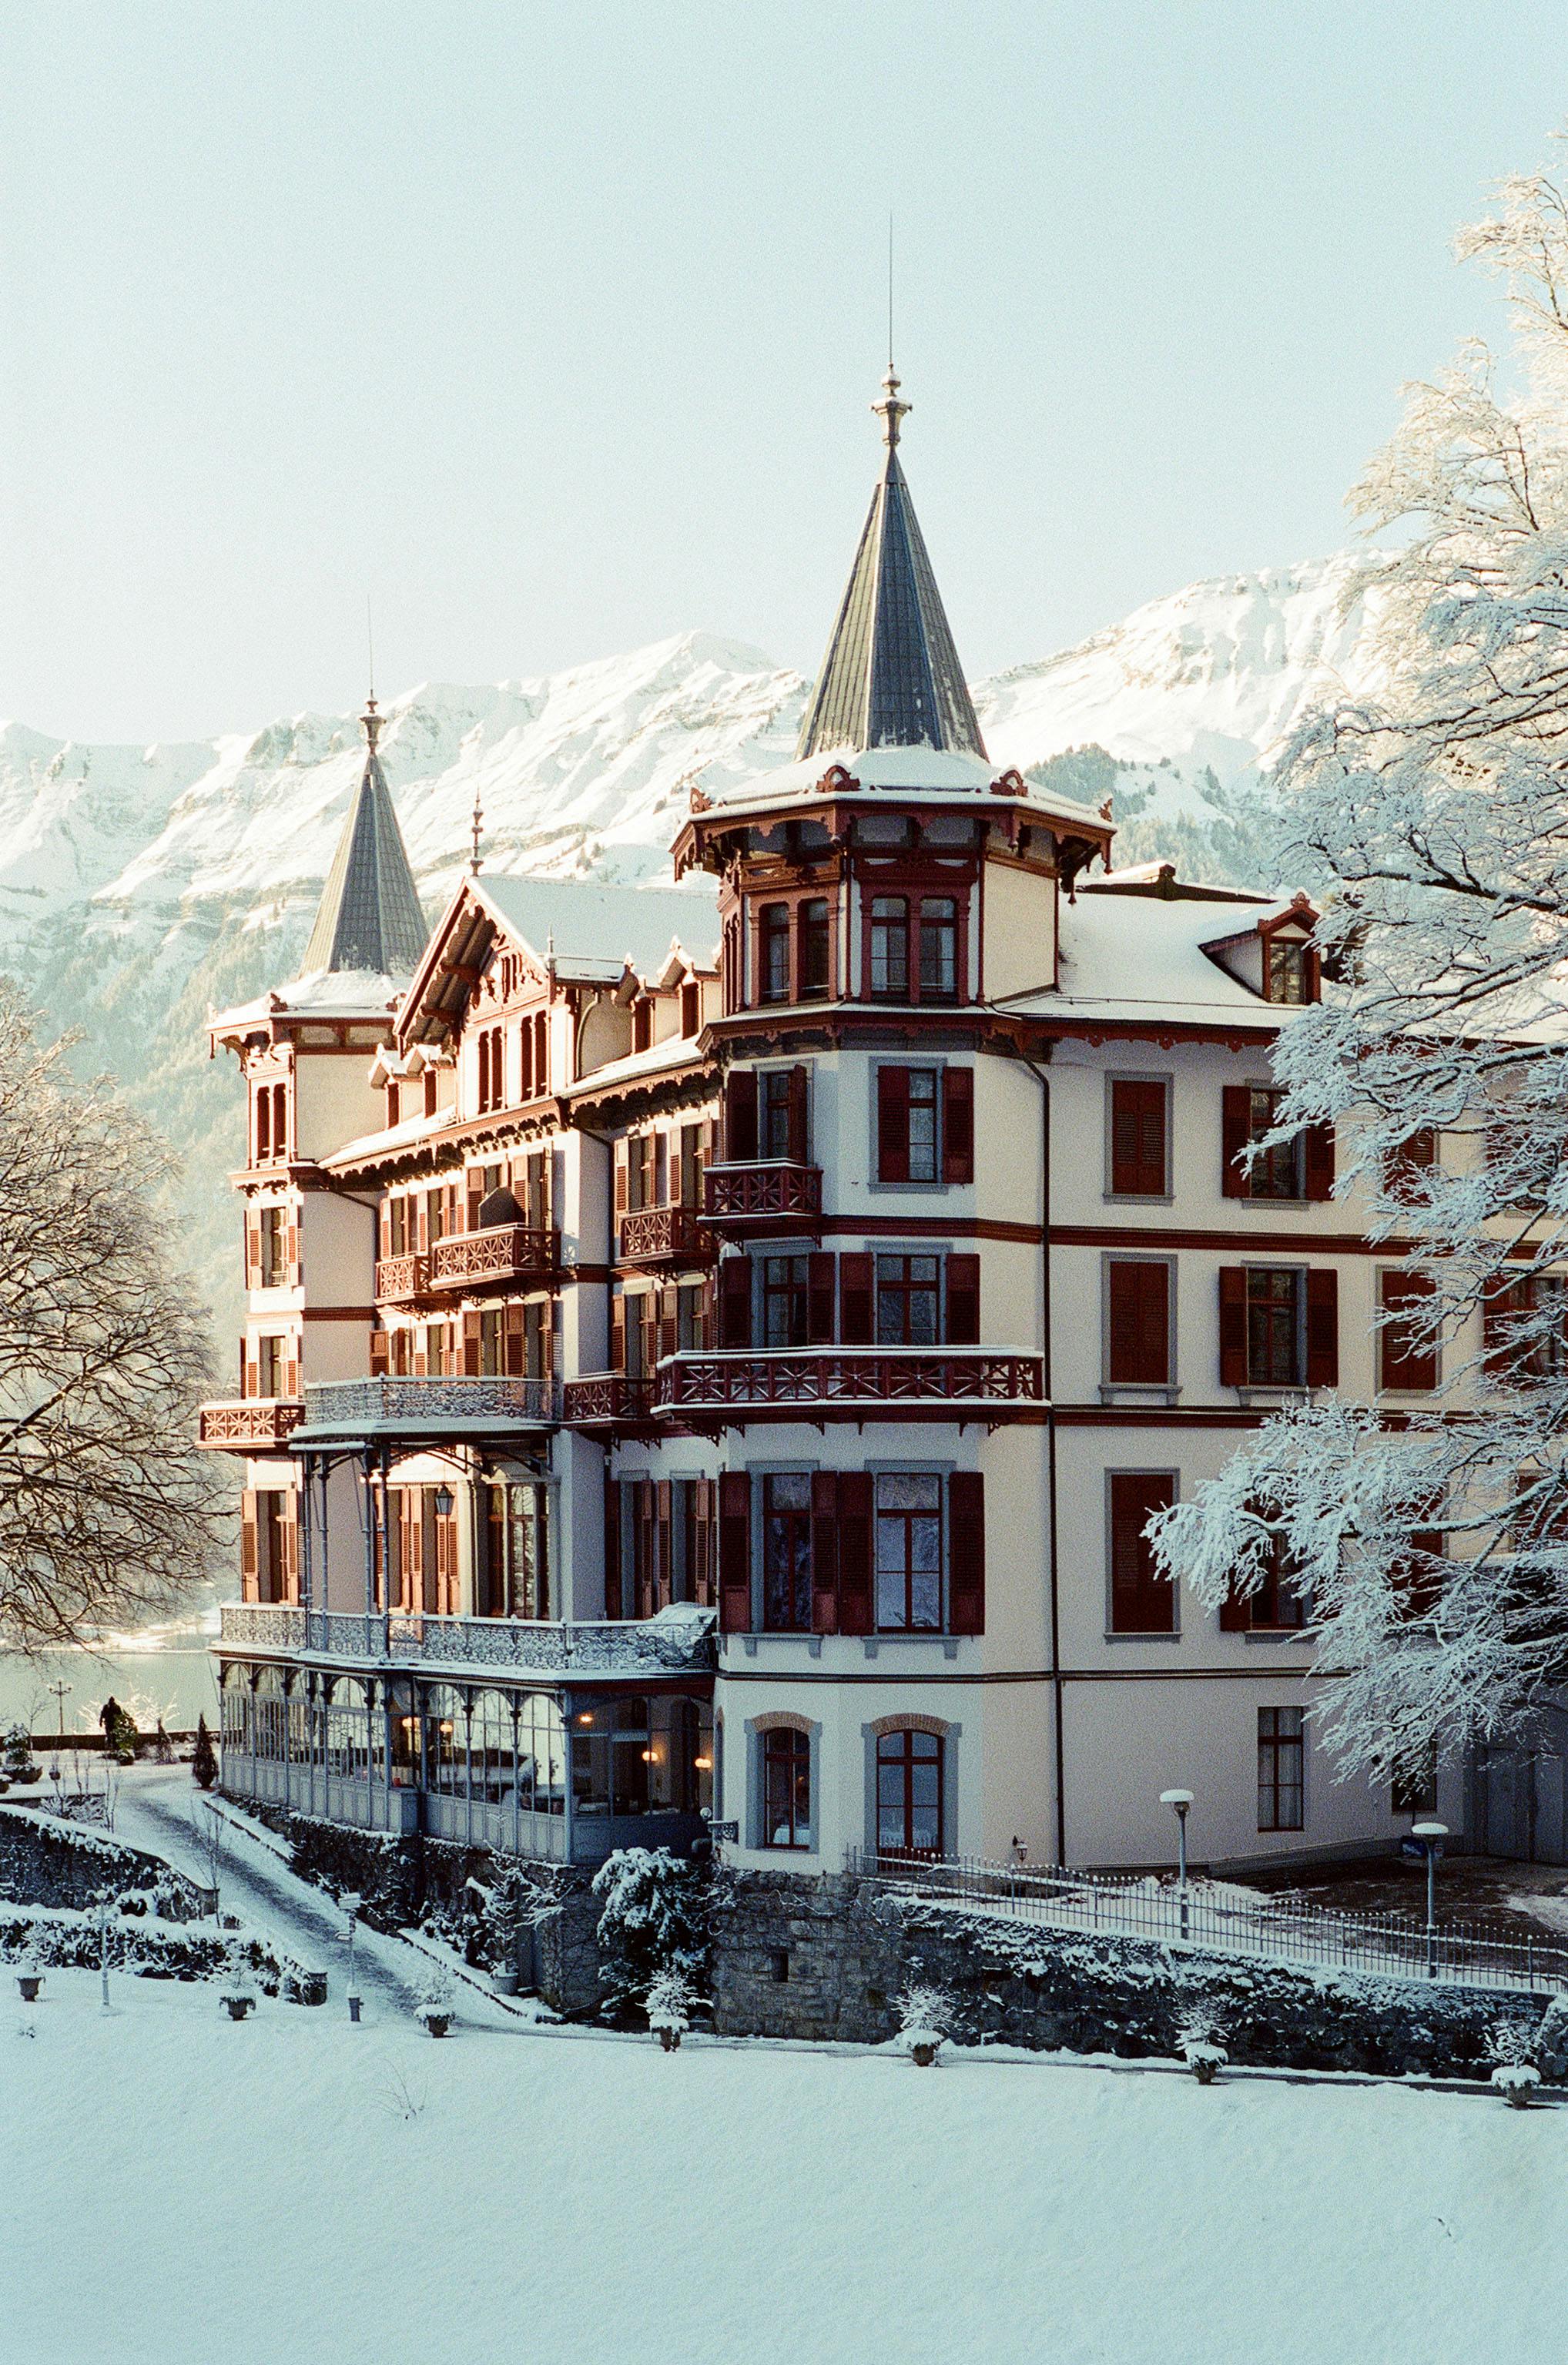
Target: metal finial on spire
(476, 827)
(370, 723)
(891, 411)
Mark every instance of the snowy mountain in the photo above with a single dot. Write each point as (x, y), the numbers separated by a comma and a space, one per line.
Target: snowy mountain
(140, 885)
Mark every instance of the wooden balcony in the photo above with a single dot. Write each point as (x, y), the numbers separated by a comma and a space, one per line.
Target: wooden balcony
(608, 1400)
(504, 1253)
(766, 1195)
(400, 1279)
(251, 1424)
(655, 1237)
(952, 1383)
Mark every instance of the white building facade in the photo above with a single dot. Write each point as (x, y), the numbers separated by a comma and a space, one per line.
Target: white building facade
(713, 1362)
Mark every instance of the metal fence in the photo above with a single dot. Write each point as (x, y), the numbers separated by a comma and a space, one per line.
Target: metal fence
(1228, 1920)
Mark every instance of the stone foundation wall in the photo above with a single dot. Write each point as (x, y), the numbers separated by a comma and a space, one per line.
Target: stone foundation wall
(44, 1863)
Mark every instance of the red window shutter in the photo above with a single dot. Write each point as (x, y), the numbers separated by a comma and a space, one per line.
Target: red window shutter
(542, 1051)
(1138, 1322)
(740, 1114)
(959, 1125)
(856, 1300)
(963, 1300)
(734, 1551)
(1317, 1161)
(663, 1534)
(1403, 1363)
(514, 1341)
(735, 1302)
(248, 1557)
(824, 1551)
(250, 1370)
(670, 1324)
(1232, 1326)
(892, 1125)
(291, 1272)
(291, 1372)
(623, 1169)
(421, 1355)
(613, 1547)
(643, 1546)
(1237, 1132)
(378, 1360)
(253, 1252)
(966, 1553)
(799, 1116)
(822, 1291)
(618, 1334)
(1138, 1138)
(471, 1343)
(1142, 1602)
(854, 1605)
(262, 1124)
(288, 1543)
(1322, 1329)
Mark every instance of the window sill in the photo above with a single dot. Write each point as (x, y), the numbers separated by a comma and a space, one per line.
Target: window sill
(1139, 1198)
(1298, 1393)
(1130, 1392)
(1155, 1634)
(1275, 1634)
(875, 1642)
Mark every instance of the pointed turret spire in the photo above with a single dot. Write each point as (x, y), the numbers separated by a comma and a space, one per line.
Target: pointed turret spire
(891, 676)
(369, 916)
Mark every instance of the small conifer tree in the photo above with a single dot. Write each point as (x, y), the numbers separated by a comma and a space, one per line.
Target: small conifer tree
(204, 1764)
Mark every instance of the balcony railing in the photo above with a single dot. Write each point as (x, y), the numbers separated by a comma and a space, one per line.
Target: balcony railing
(601, 1399)
(769, 1190)
(503, 1253)
(938, 1382)
(665, 1236)
(251, 1424)
(678, 1642)
(399, 1278)
(428, 1404)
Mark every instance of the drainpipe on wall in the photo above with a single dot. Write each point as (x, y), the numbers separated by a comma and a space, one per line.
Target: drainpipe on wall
(1057, 1688)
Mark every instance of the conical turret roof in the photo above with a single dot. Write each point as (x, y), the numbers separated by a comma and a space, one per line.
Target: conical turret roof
(891, 676)
(369, 916)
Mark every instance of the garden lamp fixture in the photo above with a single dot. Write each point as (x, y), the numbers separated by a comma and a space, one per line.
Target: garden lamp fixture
(1431, 1836)
(1180, 1802)
(443, 1499)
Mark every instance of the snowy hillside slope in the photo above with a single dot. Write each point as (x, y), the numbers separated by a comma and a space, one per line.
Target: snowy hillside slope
(140, 885)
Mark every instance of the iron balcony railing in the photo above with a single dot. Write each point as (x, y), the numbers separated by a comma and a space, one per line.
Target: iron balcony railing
(600, 1399)
(942, 1381)
(1226, 1921)
(675, 1643)
(428, 1403)
(251, 1424)
(502, 1252)
(771, 1190)
(665, 1236)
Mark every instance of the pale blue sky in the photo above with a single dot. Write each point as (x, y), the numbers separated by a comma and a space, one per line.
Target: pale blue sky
(554, 327)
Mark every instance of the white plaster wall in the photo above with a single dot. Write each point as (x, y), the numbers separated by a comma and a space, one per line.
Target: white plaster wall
(1019, 916)
(334, 1101)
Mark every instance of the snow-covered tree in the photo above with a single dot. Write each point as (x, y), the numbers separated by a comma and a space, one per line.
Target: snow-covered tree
(1437, 1550)
(108, 1509)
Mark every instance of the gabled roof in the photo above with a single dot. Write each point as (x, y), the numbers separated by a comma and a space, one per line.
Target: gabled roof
(369, 918)
(891, 676)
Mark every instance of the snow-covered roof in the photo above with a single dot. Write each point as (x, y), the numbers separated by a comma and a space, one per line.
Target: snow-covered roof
(404, 1136)
(674, 1053)
(1141, 956)
(922, 774)
(596, 930)
(320, 993)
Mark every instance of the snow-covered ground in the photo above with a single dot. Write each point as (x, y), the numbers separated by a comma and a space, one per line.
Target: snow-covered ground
(181, 2189)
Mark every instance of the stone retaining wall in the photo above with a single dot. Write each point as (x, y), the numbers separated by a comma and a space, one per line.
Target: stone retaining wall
(47, 1862)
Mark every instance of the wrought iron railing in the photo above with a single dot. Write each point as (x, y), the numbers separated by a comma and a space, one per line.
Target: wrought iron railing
(251, 1424)
(679, 1643)
(658, 1236)
(1227, 1920)
(502, 1252)
(394, 1401)
(951, 1378)
(600, 1399)
(399, 1278)
(762, 1187)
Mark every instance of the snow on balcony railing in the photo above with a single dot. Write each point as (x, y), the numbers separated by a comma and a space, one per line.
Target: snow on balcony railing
(427, 1401)
(1225, 1920)
(942, 1377)
(678, 1640)
(251, 1424)
(502, 1252)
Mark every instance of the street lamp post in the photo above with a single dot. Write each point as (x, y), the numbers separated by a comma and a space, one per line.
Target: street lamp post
(351, 1905)
(1431, 1836)
(61, 1692)
(1180, 1802)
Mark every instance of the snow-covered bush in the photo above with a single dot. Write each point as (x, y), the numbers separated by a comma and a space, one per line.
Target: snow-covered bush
(1198, 2034)
(654, 1919)
(669, 2004)
(21, 1766)
(1514, 2048)
(926, 2015)
(437, 1997)
(238, 1986)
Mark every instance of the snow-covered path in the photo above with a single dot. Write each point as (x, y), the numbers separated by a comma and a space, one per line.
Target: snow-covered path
(156, 1812)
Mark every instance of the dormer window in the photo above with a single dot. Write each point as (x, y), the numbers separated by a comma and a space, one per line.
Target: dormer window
(915, 948)
(1288, 971)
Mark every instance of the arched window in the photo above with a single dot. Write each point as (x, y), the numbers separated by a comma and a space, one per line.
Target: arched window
(786, 1788)
(909, 1767)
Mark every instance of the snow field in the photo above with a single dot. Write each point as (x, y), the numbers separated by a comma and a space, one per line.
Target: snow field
(183, 2189)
